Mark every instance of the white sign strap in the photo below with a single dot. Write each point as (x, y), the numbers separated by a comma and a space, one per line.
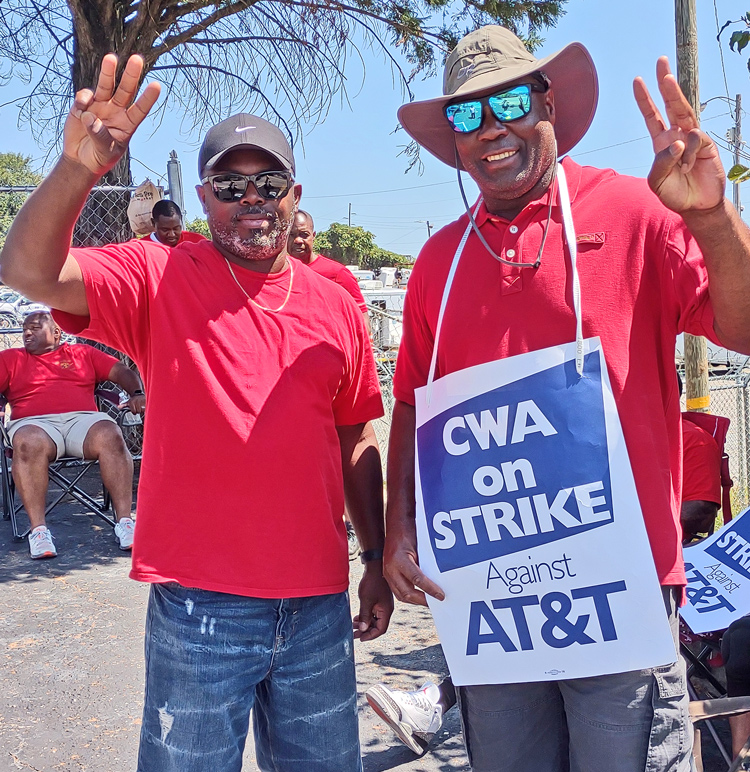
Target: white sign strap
(444, 301)
(570, 238)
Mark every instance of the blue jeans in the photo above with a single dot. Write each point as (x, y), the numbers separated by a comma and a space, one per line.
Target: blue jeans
(212, 657)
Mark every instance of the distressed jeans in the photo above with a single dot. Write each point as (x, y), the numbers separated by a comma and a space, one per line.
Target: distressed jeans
(212, 657)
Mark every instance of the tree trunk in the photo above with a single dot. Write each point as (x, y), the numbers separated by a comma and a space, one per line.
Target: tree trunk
(104, 219)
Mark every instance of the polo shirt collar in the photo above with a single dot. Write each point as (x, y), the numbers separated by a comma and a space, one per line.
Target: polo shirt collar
(573, 174)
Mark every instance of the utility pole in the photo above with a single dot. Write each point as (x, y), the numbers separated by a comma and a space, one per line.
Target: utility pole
(429, 229)
(696, 356)
(174, 177)
(350, 215)
(735, 137)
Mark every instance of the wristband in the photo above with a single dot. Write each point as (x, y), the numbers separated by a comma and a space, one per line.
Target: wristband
(138, 393)
(369, 555)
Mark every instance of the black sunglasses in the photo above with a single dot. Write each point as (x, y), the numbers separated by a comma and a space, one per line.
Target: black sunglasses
(507, 105)
(230, 187)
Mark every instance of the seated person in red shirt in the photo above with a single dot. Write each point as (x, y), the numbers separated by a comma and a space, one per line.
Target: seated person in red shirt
(167, 219)
(50, 388)
(300, 245)
(701, 481)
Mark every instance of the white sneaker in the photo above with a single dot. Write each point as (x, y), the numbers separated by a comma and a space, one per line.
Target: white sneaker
(124, 532)
(41, 544)
(413, 716)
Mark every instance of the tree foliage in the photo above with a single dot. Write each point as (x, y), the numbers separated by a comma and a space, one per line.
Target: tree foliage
(284, 58)
(353, 245)
(15, 171)
(198, 225)
(739, 39)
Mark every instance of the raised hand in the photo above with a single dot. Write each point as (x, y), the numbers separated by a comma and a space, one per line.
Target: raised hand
(687, 174)
(100, 124)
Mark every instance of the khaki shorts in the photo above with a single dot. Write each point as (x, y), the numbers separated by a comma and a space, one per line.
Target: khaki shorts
(67, 430)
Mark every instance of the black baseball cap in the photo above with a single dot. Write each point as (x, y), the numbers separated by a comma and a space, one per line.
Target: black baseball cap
(244, 131)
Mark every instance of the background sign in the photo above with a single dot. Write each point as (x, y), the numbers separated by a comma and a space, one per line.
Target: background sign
(718, 578)
(527, 517)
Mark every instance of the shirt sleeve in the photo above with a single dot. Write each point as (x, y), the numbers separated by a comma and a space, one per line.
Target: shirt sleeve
(101, 362)
(116, 278)
(348, 281)
(689, 285)
(358, 399)
(701, 475)
(4, 372)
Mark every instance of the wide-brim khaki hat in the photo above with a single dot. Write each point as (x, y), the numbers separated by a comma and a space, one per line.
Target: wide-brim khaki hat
(489, 58)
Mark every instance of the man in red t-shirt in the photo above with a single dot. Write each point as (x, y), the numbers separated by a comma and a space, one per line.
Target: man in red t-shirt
(300, 245)
(240, 531)
(167, 219)
(50, 389)
(644, 261)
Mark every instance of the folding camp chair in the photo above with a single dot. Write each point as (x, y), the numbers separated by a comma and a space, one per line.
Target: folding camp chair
(68, 484)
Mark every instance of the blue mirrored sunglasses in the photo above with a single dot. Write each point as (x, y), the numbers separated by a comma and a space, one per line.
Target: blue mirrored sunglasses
(507, 105)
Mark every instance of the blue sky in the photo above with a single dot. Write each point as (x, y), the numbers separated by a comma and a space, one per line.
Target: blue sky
(353, 158)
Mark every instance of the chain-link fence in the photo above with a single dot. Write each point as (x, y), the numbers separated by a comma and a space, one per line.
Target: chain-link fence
(729, 383)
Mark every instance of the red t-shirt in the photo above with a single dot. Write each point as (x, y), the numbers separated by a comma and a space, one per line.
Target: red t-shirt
(185, 236)
(61, 381)
(701, 465)
(642, 282)
(241, 486)
(341, 275)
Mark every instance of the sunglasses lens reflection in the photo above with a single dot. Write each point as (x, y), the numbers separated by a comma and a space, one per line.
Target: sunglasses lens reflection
(232, 187)
(507, 106)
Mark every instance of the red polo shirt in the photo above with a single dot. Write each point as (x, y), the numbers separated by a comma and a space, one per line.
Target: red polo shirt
(643, 281)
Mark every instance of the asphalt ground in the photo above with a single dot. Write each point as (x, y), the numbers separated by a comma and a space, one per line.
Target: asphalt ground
(71, 654)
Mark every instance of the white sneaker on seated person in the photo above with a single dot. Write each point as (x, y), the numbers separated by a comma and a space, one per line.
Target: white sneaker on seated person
(41, 544)
(124, 532)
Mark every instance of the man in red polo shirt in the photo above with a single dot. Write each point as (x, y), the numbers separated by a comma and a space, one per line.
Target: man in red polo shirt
(167, 219)
(645, 258)
(50, 388)
(240, 531)
(301, 243)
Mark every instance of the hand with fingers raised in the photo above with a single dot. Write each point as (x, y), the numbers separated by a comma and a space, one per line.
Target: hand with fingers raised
(687, 174)
(100, 123)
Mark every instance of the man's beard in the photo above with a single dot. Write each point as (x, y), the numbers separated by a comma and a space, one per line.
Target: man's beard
(261, 244)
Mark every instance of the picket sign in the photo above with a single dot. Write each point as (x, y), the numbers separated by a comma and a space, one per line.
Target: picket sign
(718, 577)
(528, 516)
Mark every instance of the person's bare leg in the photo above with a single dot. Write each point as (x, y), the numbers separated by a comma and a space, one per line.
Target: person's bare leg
(104, 442)
(33, 451)
(740, 726)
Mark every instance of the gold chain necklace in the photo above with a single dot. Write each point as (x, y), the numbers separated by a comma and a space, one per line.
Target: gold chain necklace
(254, 302)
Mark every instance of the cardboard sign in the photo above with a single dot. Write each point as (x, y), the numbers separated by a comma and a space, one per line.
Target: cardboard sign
(718, 578)
(528, 518)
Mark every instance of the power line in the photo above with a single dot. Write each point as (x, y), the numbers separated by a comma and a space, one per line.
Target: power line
(377, 192)
(721, 51)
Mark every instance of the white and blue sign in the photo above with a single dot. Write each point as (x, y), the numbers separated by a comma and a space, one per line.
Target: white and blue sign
(528, 518)
(718, 578)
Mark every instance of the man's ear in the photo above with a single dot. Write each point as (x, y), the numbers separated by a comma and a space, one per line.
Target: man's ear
(549, 103)
(297, 193)
(201, 197)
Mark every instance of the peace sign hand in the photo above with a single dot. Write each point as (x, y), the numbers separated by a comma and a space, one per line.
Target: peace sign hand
(100, 124)
(687, 173)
